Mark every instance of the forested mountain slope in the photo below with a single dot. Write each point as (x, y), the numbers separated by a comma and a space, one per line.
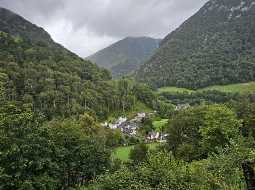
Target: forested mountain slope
(37, 72)
(125, 56)
(215, 46)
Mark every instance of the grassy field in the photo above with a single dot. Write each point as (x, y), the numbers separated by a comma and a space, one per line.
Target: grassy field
(159, 125)
(242, 88)
(122, 153)
(174, 90)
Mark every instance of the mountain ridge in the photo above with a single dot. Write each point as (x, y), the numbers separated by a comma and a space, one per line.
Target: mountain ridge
(126, 55)
(10, 22)
(207, 49)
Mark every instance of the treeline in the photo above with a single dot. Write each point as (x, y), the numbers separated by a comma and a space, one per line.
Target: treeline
(196, 98)
(207, 146)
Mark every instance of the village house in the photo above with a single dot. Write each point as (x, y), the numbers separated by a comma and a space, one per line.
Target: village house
(181, 107)
(129, 127)
(156, 136)
(153, 136)
(139, 117)
(118, 123)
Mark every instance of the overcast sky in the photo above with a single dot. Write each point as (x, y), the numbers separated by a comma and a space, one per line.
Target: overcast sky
(86, 26)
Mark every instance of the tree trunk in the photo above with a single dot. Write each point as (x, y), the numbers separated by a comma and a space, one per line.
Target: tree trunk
(249, 174)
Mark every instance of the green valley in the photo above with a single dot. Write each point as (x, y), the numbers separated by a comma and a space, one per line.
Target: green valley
(144, 113)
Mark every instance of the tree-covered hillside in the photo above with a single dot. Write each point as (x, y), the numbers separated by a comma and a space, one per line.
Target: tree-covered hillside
(52, 80)
(215, 46)
(125, 56)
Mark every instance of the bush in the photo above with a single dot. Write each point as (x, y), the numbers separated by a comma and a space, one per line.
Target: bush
(196, 132)
(54, 156)
(139, 153)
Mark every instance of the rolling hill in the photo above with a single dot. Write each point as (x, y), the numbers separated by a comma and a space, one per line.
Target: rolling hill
(216, 46)
(125, 56)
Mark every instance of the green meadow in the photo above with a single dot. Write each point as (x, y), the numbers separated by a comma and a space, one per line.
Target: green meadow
(174, 90)
(160, 124)
(242, 88)
(122, 153)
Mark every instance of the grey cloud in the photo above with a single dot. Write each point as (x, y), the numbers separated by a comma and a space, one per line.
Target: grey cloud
(107, 19)
(132, 17)
(33, 9)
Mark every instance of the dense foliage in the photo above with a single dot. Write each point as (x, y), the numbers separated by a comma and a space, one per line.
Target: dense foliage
(215, 46)
(195, 132)
(163, 172)
(139, 153)
(58, 155)
(53, 80)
